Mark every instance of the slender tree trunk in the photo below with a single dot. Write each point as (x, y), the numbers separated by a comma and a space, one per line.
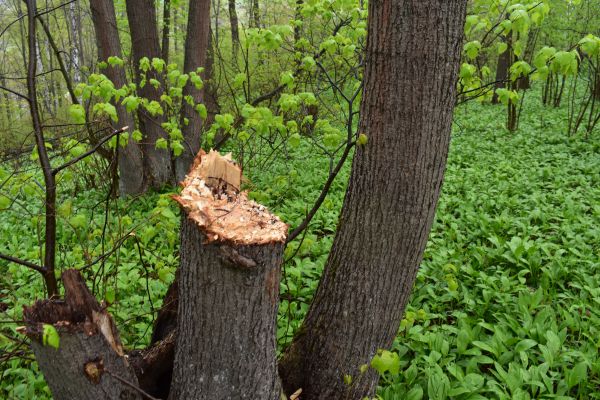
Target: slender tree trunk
(235, 34)
(196, 45)
(255, 14)
(231, 253)
(75, 55)
(144, 43)
(406, 112)
(40, 141)
(504, 62)
(131, 167)
(7, 101)
(166, 30)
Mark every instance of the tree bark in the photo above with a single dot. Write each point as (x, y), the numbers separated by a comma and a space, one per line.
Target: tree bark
(235, 34)
(131, 166)
(255, 14)
(504, 62)
(89, 355)
(166, 29)
(144, 43)
(406, 112)
(231, 252)
(196, 45)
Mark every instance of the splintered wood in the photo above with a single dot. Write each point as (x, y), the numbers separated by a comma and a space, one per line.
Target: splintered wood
(212, 198)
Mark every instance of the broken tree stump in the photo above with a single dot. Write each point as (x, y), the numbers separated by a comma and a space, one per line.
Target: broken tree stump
(230, 257)
(89, 362)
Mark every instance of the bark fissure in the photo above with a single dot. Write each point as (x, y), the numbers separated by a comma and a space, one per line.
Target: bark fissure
(390, 202)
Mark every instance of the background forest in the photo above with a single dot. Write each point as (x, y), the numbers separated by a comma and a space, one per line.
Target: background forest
(506, 303)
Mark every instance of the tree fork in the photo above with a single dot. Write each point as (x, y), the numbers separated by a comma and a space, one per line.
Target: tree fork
(231, 252)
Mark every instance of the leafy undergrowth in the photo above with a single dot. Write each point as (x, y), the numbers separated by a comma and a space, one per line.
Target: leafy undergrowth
(506, 304)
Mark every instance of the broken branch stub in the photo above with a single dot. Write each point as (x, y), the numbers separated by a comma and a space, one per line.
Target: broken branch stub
(211, 197)
(89, 345)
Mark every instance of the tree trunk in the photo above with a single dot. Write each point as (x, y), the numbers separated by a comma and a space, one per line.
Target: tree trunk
(504, 62)
(406, 112)
(131, 167)
(255, 14)
(231, 253)
(89, 359)
(144, 43)
(235, 34)
(196, 45)
(166, 29)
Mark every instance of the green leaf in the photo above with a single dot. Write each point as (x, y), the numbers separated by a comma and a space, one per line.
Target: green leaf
(158, 64)
(416, 393)
(362, 139)
(177, 147)
(115, 61)
(294, 140)
(50, 336)
(77, 113)
(201, 110)
(136, 135)
(78, 221)
(471, 49)
(577, 375)
(162, 143)
(502, 47)
(386, 361)
(4, 202)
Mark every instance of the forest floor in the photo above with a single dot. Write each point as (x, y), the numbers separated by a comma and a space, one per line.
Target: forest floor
(506, 303)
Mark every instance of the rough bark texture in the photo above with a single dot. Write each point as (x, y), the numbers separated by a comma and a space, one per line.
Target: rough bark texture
(235, 35)
(230, 255)
(89, 362)
(504, 62)
(166, 29)
(145, 43)
(131, 168)
(413, 52)
(196, 45)
(227, 321)
(64, 368)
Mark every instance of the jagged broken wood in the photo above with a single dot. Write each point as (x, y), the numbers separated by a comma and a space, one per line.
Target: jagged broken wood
(89, 362)
(231, 252)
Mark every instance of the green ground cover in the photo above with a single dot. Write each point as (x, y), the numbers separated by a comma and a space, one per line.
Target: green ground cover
(506, 303)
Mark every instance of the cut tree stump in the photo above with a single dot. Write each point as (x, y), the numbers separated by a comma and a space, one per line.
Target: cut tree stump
(89, 362)
(231, 252)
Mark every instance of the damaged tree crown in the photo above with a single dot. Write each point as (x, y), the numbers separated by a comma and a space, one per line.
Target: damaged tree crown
(211, 197)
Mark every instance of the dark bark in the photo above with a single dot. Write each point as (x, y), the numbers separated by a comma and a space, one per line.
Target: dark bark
(255, 14)
(49, 178)
(196, 45)
(230, 257)
(406, 112)
(7, 102)
(235, 34)
(144, 43)
(504, 62)
(89, 360)
(131, 167)
(226, 331)
(166, 29)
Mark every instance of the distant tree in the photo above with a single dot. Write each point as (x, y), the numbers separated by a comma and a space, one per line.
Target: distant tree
(145, 44)
(131, 167)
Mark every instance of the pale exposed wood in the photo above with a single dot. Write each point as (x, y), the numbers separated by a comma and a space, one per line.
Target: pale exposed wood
(211, 198)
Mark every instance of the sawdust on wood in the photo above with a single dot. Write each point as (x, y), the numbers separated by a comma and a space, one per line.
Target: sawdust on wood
(212, 198)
